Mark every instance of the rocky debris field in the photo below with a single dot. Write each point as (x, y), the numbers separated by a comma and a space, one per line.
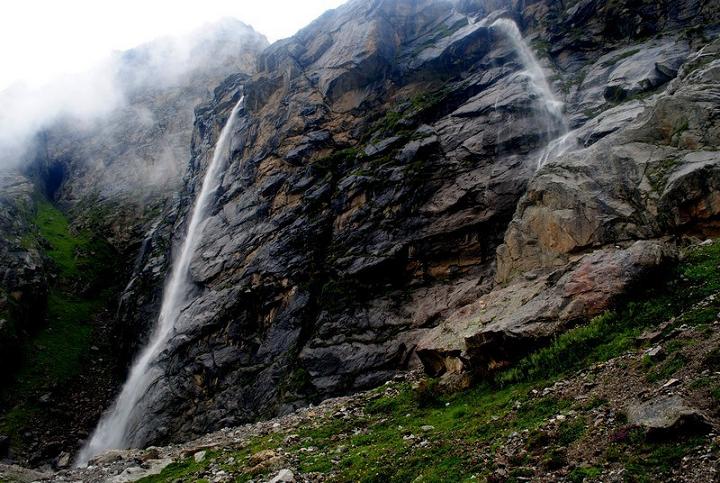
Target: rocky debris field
(630, 396)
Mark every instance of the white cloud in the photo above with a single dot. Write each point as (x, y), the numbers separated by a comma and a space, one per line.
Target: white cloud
(41, 39)
(56, 55)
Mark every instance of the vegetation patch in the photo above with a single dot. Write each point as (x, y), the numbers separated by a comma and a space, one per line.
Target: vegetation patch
(54, 355)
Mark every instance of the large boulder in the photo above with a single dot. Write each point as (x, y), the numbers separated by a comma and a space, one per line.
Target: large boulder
(667, 416)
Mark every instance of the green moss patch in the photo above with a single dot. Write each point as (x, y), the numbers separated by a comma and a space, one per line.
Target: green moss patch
(55, 354)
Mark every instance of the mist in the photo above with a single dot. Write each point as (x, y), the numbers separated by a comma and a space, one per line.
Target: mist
(78, 63)
(26, 109)
(107, 117)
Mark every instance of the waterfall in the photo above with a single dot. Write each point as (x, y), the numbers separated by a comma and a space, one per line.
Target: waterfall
(538, 82)
(113, 431)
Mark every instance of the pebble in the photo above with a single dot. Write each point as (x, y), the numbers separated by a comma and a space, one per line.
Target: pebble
(671, 382)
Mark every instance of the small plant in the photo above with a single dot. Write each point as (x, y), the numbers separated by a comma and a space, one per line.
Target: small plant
(579, 475)
(571, 431)
(427, 393)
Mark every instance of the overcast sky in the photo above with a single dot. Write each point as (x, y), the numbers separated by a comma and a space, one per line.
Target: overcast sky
(40, 39)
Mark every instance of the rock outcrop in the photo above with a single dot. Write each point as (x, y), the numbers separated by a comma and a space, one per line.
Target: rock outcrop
(653, 174)
(23, 285)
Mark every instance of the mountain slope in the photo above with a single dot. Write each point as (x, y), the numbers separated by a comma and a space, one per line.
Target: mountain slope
(631, 396)
(387, 151)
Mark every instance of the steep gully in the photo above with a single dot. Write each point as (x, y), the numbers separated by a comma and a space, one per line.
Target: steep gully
(116, 428)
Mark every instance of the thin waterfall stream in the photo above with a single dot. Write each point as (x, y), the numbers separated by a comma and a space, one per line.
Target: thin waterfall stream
(113, 430)
(554, 107)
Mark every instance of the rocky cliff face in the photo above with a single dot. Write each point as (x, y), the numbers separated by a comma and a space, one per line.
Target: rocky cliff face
(382, 208)
(23, 285)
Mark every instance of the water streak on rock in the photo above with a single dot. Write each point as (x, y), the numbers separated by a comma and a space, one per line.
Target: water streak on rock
(554, 107)
(115, 429)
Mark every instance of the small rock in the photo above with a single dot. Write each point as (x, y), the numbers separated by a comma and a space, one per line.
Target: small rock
(706, 243)
(199, 456)
(291, 439)
(152, 453)
(671, 383)
(284, 476)
(63, 460)
(262, 456)
(656, 352)
(427, 428)
(107, 457)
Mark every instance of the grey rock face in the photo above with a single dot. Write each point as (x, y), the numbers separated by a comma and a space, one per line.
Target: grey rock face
(653, 177)
(627, 72)
(119, 170)
(23, 285)
(340, 236)
(384, 152)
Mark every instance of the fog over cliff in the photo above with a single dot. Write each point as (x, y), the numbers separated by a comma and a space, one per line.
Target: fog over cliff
(82, 99)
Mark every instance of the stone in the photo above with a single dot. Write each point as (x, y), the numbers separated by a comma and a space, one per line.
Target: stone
(284, 476)
(656, 353)
(667, 416)
(262, 456)
(64, 460)
(151, 453)
(671, 383)
(109, 456)
(199, 456)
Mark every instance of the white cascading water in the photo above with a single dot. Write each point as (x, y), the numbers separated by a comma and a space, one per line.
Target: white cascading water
(112, 431)
(539, 83)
